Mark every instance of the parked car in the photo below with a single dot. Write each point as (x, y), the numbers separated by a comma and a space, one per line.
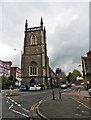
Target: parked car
(73, 84)
(82, 83)
(24, 87)
(63, 86)
(68, 84)
(35, 87)
(32, 88)
(89, 91)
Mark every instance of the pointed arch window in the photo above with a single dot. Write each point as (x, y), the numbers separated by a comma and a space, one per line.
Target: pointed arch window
(33, 69)
(33, 40)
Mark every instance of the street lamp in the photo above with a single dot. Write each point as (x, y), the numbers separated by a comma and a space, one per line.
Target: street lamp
(20, 56)
(80, 67)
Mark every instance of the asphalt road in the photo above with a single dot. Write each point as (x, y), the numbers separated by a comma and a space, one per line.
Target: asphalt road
(24, 105)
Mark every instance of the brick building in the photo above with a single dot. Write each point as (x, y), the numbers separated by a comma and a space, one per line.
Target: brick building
(16, 72)
(5, 67)
(35, 62)
(86, 65)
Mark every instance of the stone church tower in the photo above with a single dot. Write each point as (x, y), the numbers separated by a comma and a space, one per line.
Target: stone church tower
(35, 62)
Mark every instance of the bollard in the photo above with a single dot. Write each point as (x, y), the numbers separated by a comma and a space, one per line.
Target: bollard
(59, 95)
(10, 91)
(53, 96)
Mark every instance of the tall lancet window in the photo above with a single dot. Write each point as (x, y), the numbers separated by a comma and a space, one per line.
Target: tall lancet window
(33, 40)
(33, 69)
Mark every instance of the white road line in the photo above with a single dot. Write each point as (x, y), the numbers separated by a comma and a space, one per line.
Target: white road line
(11, 106)
(16, 103)
(77, 115)
(19, 113)
(19, 105)
(25, 110)
(8, 102)
(8, 97)
(12, 100)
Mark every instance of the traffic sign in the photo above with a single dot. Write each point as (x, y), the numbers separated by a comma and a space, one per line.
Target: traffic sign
(58, 71)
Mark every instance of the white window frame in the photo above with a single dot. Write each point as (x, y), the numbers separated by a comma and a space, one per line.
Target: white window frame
(33, 70)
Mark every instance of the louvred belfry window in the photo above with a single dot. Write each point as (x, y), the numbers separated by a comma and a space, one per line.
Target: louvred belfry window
(33, 40)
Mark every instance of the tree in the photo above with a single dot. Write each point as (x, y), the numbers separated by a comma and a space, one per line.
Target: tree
(62, 75)
(71, 78)
(5, 82)
(77, 73)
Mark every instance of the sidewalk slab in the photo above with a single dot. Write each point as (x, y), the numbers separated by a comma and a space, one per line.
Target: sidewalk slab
(56, 108)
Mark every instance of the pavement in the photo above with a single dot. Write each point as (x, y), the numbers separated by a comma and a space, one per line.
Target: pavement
(51, 108)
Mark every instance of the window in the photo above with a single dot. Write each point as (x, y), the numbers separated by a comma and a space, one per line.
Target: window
(33, 40)
(33, 69)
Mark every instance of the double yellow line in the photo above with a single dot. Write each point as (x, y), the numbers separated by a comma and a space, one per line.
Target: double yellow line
(36, 105)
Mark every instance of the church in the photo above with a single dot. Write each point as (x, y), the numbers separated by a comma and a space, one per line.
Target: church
(35, 62)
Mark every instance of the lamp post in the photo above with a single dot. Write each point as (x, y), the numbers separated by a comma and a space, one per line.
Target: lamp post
(20, 63)
(80, 68)
(20, 54)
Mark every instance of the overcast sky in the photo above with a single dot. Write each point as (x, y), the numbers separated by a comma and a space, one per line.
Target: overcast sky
(67, 27)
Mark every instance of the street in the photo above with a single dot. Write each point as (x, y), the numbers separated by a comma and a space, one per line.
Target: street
(25, 104)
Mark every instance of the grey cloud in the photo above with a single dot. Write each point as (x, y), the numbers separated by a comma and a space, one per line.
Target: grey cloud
(16, 60)
(68, 41)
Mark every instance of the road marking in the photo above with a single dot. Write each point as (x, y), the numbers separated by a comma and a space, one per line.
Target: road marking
(39, 103)
(77, 114)
(19, 105)
(39, 113)
(11, 106)
(82, 104)
(12, 100)
(19, 113)
(34, 106)
(8, 102)
(8, 97)
(25, 110)
(16, 103)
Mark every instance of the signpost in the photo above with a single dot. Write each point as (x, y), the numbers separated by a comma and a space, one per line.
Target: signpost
(58, 71)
